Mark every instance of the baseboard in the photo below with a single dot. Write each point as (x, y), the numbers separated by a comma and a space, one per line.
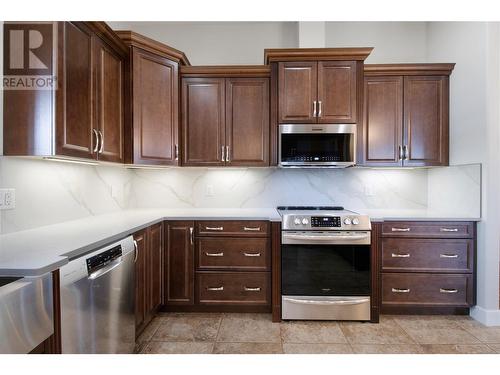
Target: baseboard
(486, 317)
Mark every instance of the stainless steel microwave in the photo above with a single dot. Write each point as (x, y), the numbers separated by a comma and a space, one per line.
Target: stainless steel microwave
(317, 145)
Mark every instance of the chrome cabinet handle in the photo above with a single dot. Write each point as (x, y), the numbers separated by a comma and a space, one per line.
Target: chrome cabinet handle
(214, 254)
(191, 235)
(405, 152)
(102, 142)
(394, 255)
(176, 152)
(319, 109)
(400, 229)
(400, 151)
(448, 255)
(217, 288)
(314, 109)
(251, 254)
(222, 150)
(251, 229)
(136, 251)
(446, 290)
(400, 290)
(214, 228)
(448, 229)
(227, 154)
(247, 289)
(96, 147)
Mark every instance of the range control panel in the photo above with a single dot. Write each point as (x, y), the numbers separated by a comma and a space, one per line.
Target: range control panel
(326, 222)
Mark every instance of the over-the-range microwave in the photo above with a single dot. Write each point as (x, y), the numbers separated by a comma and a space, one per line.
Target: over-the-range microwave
(317, 145)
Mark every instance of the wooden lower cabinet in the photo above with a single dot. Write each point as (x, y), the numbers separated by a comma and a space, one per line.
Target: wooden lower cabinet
(148, 274)
(427, 267)
(217, 266)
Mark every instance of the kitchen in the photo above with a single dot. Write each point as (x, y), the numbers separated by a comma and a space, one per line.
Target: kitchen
(220, 189)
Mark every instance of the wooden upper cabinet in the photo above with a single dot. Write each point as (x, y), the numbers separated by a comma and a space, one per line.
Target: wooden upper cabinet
(383, 118)
(297, 91)
(110, 102)
(406, 115)
(247, 121)
(75, 98)
(426, 120)
(179, 263)
(337, 92)
(203, 121)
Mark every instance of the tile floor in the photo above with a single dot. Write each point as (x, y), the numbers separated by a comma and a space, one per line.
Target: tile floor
(195, 333)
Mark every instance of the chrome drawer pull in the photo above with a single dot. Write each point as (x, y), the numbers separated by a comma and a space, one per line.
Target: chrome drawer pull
(448, 229)
(444, 290)
(216, 289)
(251, 254)
(448, 255)
(214, 228)
(214, 254)
(247, 289)
(401, 229)
(400, 255)
(251, 229)
(399, 290)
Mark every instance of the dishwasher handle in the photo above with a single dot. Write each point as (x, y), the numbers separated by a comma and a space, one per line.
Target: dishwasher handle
(104, 270)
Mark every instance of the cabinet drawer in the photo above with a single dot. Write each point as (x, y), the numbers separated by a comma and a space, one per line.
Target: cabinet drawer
(451, 229)
(232, 228)
(427, 289)
(233, 288)
(249, 254)
(418, 255)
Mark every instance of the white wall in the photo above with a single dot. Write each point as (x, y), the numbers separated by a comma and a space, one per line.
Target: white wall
(218, 43)
(394, 42)
(474, 134)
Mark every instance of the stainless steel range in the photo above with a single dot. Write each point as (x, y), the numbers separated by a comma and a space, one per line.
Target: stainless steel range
(325, 264)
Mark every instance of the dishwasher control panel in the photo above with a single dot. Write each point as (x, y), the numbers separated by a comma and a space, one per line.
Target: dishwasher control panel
(102, 259)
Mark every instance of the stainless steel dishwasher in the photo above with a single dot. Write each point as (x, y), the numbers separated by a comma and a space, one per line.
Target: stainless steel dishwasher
(98, 300)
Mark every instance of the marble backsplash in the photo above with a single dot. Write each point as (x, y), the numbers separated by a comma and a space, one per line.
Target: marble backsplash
(51, 192)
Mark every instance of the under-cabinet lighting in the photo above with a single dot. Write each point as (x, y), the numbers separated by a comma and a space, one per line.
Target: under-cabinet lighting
(73, 161)
(136, 166)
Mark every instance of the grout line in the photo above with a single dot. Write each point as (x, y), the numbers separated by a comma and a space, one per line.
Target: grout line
(405, 331)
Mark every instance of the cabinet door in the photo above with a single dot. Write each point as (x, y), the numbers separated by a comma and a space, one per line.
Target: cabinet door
(140, 277)
(247, 121)
(337, 92)
(109, 103)
(203, 123)
(155, 266)
(383, 121)
(297, 91)
(426, 120)
(179, 263)
(155, 109)
(75, 96)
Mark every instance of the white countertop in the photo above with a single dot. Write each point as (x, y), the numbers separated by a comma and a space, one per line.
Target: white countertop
(37, 251)
(412, 215)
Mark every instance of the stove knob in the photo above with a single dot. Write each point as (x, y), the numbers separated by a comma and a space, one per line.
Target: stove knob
(305, 221)
(355, 221)
(296, 221)
(347, 221)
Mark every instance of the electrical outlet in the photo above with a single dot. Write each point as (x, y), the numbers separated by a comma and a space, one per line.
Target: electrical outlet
(7, 199)
(209, 191)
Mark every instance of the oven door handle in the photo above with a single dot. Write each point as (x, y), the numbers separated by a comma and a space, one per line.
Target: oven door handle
(326, 303)
(308, 238)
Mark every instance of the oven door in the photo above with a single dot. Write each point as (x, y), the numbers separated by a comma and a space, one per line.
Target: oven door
(325, 275)
(332, 145)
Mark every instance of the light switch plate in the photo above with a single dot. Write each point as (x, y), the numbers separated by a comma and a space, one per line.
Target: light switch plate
(209, 191)
(7, 199)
